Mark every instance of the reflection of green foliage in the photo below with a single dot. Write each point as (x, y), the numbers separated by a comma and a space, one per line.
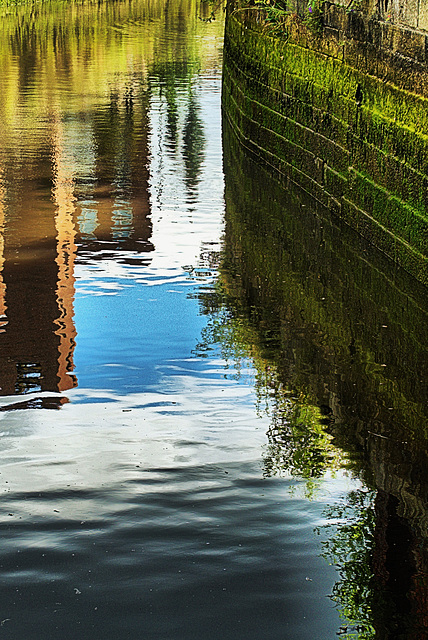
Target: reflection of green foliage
(172, 114)
(226, 328)
(275, 9)
(349, 547)
(298, 443)
(169, 75)
(193, 144)
(213, 6)
(94, 44)
(183, 126)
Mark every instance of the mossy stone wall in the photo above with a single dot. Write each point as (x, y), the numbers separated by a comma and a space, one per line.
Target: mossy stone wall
(343, 114)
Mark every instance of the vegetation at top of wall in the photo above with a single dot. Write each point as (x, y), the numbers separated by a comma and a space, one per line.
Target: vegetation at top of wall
(313, 16)
(276, 12)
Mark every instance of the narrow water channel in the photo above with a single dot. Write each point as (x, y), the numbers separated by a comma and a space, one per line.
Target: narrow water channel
(213, 399)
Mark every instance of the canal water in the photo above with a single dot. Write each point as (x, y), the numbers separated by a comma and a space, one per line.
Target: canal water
(213, 409)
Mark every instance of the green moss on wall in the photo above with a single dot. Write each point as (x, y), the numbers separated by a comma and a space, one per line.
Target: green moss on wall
(358, 144)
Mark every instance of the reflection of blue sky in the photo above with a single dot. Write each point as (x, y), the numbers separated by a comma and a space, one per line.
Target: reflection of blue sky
(133, 322)
(126, 335)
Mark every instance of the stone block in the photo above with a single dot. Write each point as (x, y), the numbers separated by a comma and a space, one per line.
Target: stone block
(335, 16)
(393, 213)
(332, 42)
(413, 261)
(411, 44)
(364, 224)
(354, 55)
(423, 16)
(335, 183)
(375, 32)
(388, 32)
(356, 27)
(408, 13)
(372, 59)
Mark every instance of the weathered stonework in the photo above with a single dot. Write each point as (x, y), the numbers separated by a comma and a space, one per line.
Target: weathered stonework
(343, 114)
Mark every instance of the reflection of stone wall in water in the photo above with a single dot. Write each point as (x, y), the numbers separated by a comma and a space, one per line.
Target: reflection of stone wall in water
(352, 341)
(343, 114)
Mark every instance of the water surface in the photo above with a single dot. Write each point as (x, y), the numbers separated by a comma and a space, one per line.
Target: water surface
(163, 473)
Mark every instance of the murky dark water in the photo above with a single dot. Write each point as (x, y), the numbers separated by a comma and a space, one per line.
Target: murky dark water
(205, 386)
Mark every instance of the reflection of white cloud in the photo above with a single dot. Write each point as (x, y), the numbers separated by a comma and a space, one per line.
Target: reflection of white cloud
(101, 288)
(102, 440)
(180, 231)
(99, 437)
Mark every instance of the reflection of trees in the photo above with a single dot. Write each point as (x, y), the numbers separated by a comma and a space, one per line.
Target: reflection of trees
(182, 130)
(193, 145)
(115, 194)
(298, 442)
(348, 545)
(381, 591)
(90, 45)
(171, 76)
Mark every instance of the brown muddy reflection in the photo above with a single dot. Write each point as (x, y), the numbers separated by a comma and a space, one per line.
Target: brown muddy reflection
(344, 335)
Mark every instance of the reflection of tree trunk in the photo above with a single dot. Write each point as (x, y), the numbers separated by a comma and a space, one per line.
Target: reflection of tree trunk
(193, 146)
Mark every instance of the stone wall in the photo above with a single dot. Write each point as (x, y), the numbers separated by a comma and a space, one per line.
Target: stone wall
(342, 111)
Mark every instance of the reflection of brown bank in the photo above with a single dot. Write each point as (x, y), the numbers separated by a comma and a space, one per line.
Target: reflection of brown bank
(351, 335)
(101, 206)
(63, 196)
(36, 346)
(31, 346)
